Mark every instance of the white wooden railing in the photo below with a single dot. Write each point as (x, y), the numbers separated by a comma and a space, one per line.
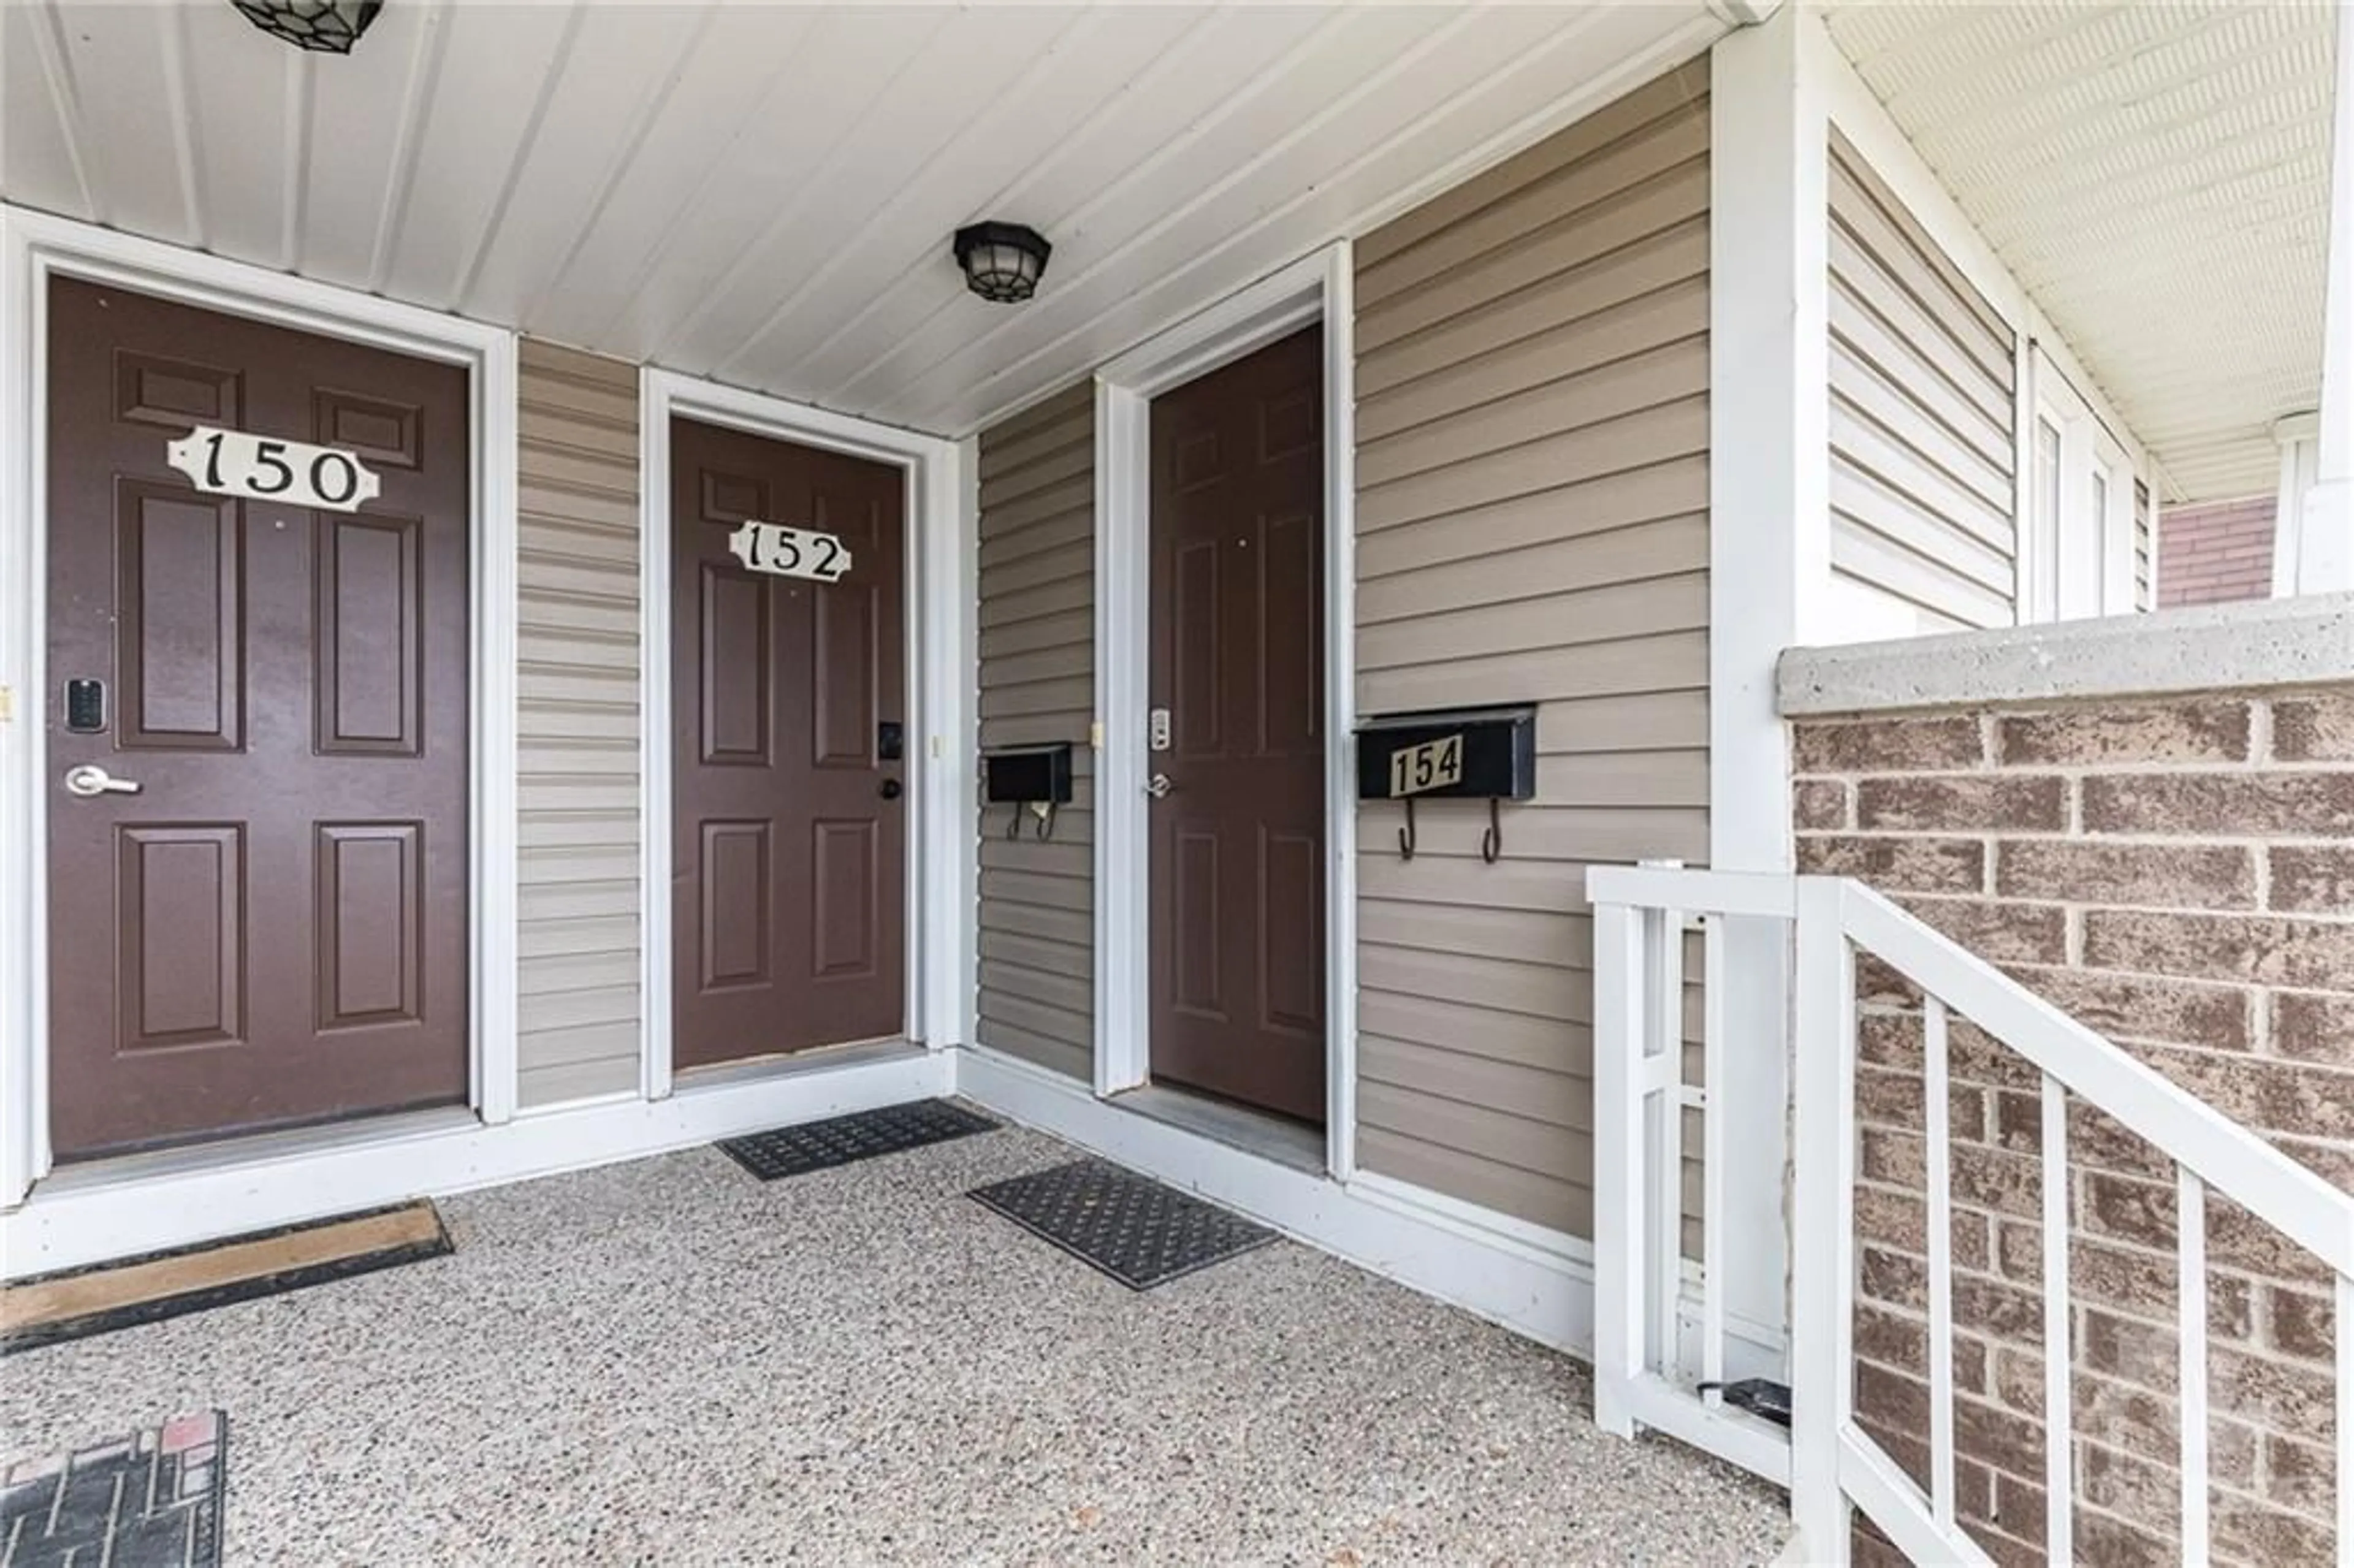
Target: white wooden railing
(1643, 1366)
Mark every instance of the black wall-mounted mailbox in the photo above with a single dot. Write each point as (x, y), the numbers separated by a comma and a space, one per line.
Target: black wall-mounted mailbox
(1468, 754)
(1465, 754)
(1029, 775)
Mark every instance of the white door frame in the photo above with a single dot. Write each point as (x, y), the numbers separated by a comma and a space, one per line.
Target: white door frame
(942, 855)
(1318, 286)
(36, 247)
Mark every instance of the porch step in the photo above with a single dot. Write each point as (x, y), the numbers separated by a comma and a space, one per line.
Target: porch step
(49, 1308)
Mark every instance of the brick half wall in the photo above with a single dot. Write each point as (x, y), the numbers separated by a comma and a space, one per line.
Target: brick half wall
(2179, 874)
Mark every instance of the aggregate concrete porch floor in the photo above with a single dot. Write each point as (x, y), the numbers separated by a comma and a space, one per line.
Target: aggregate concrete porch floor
(668, 1362)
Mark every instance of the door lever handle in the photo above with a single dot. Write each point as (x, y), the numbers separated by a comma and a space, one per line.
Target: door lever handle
(89, 780)
(1158, 786)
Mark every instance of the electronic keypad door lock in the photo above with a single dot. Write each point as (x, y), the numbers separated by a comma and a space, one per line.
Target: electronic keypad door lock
(1157, 730)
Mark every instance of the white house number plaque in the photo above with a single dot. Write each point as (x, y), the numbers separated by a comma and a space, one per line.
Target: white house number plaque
(262, 468)
(785, 552)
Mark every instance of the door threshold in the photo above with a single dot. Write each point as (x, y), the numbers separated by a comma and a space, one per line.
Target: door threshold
(787, 1064)
(253, 1148)
(1270, 1137)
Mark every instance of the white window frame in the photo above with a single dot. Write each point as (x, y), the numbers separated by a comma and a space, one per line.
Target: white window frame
(2051, 585)
(1318, 287)
(939, 619)
(36, 248)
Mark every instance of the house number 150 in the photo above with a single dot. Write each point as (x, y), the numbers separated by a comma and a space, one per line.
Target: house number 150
(262, 468)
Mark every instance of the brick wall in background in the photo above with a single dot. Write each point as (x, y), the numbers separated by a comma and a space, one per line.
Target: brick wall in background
(2215, 552)
(2178, 874)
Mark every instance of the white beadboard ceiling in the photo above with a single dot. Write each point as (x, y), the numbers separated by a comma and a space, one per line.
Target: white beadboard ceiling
(765, 194)
(2157, 175)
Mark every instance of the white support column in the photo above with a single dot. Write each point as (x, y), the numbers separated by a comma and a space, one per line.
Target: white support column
(1769, 564)
(2323, 524)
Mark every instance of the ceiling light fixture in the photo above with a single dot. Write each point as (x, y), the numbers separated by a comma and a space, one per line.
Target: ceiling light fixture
(1002, 262)
(328, 26)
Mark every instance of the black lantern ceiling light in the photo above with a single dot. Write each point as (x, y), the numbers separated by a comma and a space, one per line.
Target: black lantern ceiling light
(330, 26)
(1002, 262)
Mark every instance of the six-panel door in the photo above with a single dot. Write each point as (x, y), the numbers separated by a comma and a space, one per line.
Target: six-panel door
(787, 747)
(1237, 660)
(272, 929)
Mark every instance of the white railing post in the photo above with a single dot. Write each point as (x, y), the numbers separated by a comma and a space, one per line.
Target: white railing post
(2343, 1300)
(1937, 1122)
(1713, 1223)
(1618, 1273)
(1661, 1084)
(2190, 1317)
(1822, 1271)
(2059, 1353)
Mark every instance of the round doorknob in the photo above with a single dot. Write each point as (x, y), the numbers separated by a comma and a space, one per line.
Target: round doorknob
(889, 788)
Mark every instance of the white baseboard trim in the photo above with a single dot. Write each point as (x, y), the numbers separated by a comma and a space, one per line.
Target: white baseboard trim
(1384, 1226)
(95, 1214)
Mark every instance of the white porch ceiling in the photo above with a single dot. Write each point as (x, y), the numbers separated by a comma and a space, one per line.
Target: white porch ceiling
(2157, 175)
(765, 194)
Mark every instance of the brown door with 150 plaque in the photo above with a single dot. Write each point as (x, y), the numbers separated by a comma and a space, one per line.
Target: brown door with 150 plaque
(272, 929)
(1237, 660)
(789, 816)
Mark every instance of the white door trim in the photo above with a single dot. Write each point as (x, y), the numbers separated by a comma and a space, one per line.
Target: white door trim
(941, 852)
(1319, 285)
(35, 246)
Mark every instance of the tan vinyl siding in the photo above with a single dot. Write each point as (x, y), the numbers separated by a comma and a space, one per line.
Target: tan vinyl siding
(1037, 685)
(1533, 527)
(1922, 376)
(577, 1020)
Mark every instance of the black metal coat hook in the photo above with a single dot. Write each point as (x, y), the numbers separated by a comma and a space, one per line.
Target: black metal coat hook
(1405, 833)
(1492, 843)
(1043, 810)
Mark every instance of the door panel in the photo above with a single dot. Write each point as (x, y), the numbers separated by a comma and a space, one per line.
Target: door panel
(1237, 657)
(788, 826)
(175, 881)
(273, 930)
(371, 922)
(370, 673)
(179, 603)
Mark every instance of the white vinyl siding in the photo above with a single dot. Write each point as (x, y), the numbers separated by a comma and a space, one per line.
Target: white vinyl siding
(1036, 965)
(1922, 381)
(578, 1017)
(1532, 527)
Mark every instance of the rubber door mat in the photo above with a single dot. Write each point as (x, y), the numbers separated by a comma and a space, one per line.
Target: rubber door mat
(151, 1499)
(1134, 1229)
(68, 1306)
(838, 1140)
